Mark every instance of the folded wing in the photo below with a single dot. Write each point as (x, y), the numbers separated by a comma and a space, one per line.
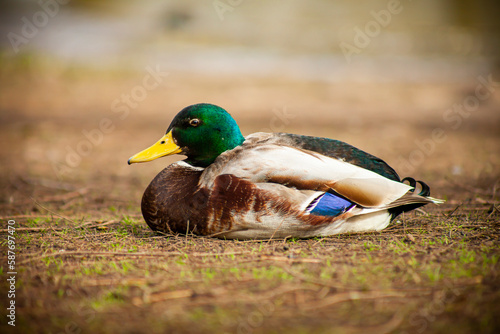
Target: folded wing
(306, 170)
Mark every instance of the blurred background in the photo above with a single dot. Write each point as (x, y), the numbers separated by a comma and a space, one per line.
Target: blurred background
(85, 84)
(407, 40)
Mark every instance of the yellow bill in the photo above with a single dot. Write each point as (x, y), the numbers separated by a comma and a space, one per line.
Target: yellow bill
(164, 146)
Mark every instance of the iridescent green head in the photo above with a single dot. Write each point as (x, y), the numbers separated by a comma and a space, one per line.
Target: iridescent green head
(201, 132)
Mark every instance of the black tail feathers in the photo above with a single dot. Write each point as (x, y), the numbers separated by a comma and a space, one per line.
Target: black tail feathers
(425, 191)
(424, 188)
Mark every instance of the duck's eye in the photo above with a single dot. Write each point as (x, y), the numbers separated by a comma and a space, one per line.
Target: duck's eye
(194, 122)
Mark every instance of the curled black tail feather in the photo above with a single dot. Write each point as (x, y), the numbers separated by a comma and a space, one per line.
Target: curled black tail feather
(425, 192)
(411, 182)
(425, 189)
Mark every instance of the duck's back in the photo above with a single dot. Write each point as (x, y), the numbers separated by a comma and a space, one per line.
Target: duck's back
(330, 148)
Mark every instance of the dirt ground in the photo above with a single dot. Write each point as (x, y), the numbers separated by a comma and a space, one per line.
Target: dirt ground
(87, 263)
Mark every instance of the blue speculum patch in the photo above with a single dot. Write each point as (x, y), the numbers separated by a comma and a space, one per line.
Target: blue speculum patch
(329, 204)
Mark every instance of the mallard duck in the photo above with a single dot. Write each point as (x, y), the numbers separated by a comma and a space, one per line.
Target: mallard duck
(268, 185)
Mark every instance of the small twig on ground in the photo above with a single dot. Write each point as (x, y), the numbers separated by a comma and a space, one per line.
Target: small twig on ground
(493, 210)
(317, 242)
(53, 212)
(275, 230)
(452, 212)
(96, 225)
